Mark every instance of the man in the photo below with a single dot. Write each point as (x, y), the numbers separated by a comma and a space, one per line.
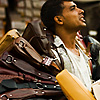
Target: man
(65, 19)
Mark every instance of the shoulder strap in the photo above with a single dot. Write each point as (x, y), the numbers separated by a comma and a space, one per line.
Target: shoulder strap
(26, 93)
(40, 39)
(24, 46)
(25, 67)
(50, 38)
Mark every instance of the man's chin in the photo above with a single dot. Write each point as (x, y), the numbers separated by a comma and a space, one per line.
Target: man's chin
(83, 25)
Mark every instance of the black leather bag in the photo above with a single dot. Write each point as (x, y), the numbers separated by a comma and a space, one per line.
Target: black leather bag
(95, 54)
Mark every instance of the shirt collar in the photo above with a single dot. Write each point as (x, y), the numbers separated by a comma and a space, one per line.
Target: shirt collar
(57, 41)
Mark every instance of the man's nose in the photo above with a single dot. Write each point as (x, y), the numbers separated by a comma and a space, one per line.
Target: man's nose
(81, 11)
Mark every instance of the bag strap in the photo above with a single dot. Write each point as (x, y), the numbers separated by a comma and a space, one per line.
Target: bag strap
(26, 47)
(4, 77)
(12, 84)
(6, 73)
(25, 67)
(36, 32)
(26, 93)
(50, 38)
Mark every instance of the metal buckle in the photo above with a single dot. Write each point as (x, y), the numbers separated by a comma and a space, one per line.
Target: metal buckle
(39, 85)
(21, 44)
(47, 61)
(4, 95)
(9, 59)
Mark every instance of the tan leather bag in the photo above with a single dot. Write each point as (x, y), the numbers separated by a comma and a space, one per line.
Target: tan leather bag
(72, 87)
(8, 39)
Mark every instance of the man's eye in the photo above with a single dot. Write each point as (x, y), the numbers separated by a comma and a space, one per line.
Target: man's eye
(72, 8)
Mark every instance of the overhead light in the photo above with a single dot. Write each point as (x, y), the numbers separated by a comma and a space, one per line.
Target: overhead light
(92, 32)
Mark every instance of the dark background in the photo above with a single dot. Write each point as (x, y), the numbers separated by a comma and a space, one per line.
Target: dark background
(92, 16)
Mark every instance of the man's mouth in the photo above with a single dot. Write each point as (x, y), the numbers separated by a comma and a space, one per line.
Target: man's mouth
(82, 19)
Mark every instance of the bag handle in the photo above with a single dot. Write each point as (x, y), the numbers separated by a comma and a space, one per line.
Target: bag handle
(28, 93)
(11, 74)
(24, 66)
(25, 45)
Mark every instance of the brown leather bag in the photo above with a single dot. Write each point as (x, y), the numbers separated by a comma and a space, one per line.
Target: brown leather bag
(7, 39)
(21, 49)
(36, 35)
(24, 45)
(38, 76)
(23, 94)
(40, 39)
(24, 67)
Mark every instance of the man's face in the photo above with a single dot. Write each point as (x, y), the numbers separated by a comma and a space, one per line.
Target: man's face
(73, 17)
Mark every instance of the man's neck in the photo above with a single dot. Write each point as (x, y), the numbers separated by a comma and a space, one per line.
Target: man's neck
(68, 39)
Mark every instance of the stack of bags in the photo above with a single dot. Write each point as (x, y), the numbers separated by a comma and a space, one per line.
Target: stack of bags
(26, 70)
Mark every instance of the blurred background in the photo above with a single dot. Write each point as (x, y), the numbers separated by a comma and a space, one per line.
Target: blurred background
(17, 13)
(92, 16)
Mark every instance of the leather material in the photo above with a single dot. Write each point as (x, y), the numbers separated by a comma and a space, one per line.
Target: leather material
(6, 73)
(94, 50)
(12, 84)
(21, 65)
(17, 67)
(26, 93)
(72, 87)
(24, 47)
(7, 39)
(21, 49)
(35, 34)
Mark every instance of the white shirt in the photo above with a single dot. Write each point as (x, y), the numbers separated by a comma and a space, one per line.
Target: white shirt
(80, 68)
(78, 65)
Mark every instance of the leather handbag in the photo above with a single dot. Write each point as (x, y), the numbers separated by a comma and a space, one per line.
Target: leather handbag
(6, 73)
(22, 49)
(40, 39)
(35, 34)
(23, 94)
(95, 54)
(20, 65)
(7, 39)
(72, 87)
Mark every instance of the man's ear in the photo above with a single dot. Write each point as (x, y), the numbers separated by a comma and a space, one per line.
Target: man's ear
(58, 20)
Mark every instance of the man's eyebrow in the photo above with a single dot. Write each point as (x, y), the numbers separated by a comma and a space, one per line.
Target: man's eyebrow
(73, 6)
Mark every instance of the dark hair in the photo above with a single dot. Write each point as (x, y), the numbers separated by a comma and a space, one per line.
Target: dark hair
(49, 10)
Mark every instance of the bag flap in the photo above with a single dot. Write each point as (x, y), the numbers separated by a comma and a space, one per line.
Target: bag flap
(7, 39)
